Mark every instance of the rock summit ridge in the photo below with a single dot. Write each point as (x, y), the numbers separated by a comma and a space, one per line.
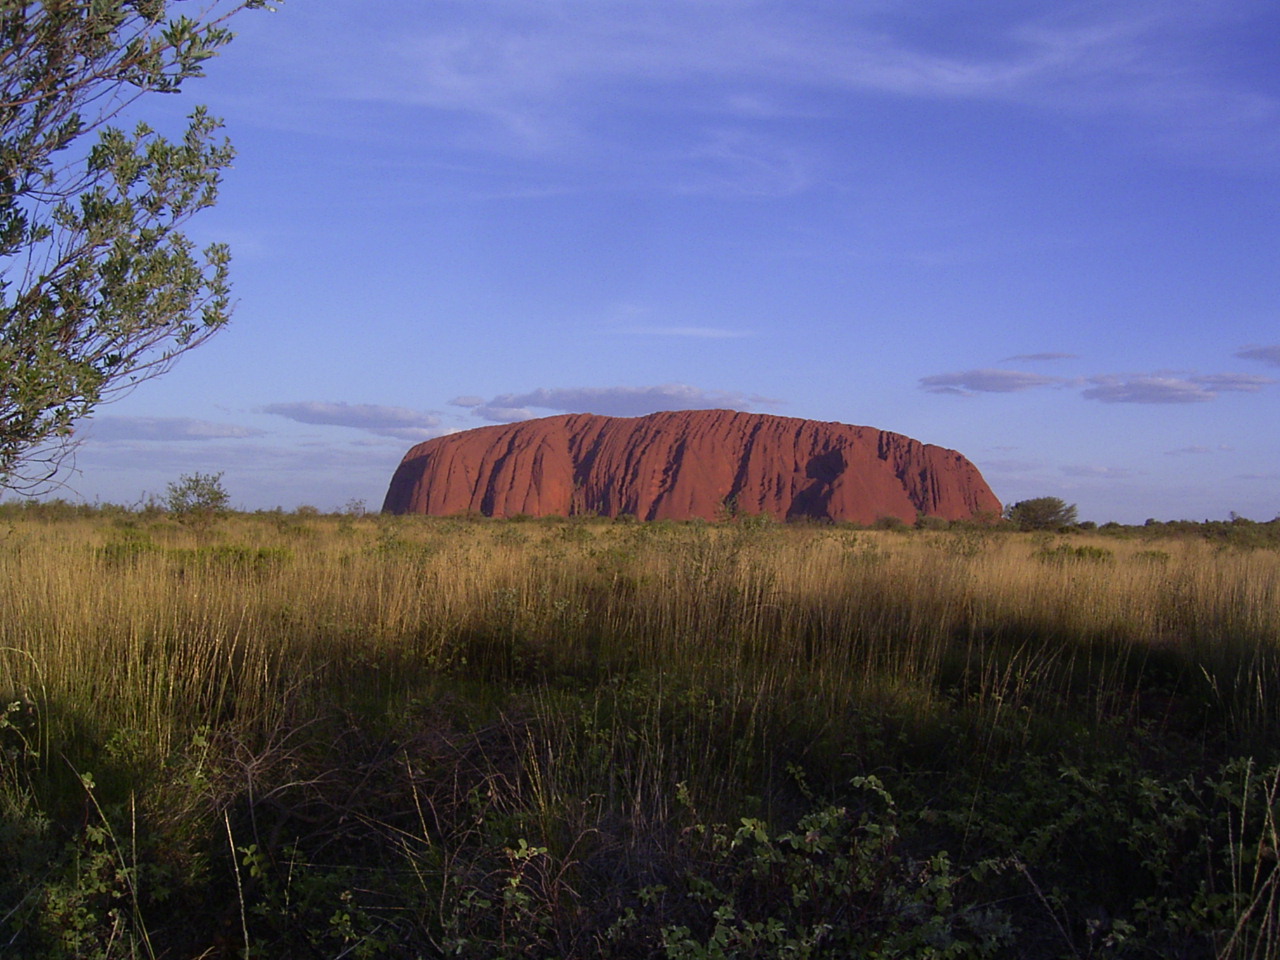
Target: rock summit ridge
(680, 465)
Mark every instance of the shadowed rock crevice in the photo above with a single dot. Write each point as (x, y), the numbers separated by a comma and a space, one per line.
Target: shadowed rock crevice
(813, 501)
(688, 464)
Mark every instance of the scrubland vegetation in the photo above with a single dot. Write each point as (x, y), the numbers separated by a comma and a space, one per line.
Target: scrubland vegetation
(294, 735)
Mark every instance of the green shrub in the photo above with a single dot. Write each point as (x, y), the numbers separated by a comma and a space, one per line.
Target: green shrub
(889, 523)
(230, 557)
(837, 885)
(1065, 552)
(127, 550)
(197, 499)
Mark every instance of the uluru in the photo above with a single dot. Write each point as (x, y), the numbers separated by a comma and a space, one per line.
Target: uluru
(687, 464)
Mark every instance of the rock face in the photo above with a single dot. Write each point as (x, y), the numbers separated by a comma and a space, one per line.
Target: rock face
(686, 464)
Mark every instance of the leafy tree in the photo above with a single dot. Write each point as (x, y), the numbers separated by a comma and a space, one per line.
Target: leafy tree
(99, 288)
(1042, 513)
(197, 499)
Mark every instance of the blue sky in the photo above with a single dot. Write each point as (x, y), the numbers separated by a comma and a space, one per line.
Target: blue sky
(1046, 235)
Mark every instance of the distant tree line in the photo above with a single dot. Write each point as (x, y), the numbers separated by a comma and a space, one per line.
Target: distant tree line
(199, 496)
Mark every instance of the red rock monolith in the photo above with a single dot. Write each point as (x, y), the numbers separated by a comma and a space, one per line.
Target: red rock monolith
(684, 464)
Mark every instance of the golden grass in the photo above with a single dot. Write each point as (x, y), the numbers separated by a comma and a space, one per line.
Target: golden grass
(145, 627)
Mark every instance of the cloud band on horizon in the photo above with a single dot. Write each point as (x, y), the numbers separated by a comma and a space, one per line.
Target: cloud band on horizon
(401, 423)
(1167, 389)
(1105, 388)
(607, 401)
(162, 429)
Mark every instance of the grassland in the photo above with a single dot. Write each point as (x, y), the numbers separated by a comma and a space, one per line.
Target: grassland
(315, 736)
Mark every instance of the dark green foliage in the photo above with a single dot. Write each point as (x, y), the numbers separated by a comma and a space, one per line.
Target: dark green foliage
(927, 522)
(889, 523)
(1236, 532)
(48, 511)
(1065, 552)
(1042, 513)
(127, 550)
(840, 884)
(1188, 868)
(229, 558)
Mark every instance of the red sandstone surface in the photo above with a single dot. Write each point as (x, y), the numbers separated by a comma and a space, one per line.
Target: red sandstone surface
(686, 464)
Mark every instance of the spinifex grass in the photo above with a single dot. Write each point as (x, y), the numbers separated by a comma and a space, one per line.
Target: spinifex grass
(400, 736)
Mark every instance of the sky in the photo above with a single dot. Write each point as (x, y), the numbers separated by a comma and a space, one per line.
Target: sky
(1045, 234)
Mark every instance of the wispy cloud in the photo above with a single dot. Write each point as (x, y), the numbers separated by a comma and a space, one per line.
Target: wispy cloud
(531, 57)
(1010, 466)
(1269, 354)
(162, 429)
(735, 163)
(543, 73)
(1196, 450)
(969, 382)
(610, 401)
(697, 333)
(1114, 389)
(1038, 357)
(398, 422)
(1233, 382)
(1158, 388)
(1089, 470)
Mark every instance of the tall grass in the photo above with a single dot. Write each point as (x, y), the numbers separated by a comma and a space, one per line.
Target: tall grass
(413, 696)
